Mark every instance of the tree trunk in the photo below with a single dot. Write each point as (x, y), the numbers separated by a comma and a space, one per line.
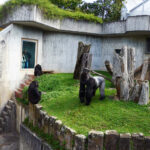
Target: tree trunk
(123, 77)
(143, 73)
(109, 67)
(82, 60)
(144, 93)
(144, 70)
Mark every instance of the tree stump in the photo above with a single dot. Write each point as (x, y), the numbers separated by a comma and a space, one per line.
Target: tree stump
(122, 72)
(84, 59)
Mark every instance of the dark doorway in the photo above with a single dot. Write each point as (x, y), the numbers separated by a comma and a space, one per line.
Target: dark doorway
(28, 54)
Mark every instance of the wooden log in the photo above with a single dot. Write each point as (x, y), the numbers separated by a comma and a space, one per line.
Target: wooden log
(144, 70)
(109, 67)
(135, 92)
(99, 74)
(123, 72)
(144, 94)
(138, 72)
(131, 66)
(82, 48)
(86, 62)
(123, 76)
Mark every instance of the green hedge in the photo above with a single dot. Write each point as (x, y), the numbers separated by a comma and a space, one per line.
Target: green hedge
(49, 10)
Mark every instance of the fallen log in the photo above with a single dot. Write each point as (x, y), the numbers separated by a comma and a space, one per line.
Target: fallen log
(99, 74)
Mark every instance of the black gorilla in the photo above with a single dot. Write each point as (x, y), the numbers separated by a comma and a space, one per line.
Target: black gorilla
(34, 95)
(38, 70)
(89, 85)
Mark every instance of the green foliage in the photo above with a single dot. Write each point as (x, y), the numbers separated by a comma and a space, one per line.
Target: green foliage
(62, 101)
(67, 4)
(49, 10)
(25, 93)
(24, 100)
(46, 137)
(109, 10)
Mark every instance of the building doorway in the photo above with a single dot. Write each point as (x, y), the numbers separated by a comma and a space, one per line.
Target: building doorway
(29, 53)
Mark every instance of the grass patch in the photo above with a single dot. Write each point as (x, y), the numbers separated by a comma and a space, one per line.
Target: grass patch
(61, 100)
(46, 137)
(49, 10)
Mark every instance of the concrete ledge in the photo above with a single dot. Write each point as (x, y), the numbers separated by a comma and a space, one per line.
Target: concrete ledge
(32, 16)
(30, 141)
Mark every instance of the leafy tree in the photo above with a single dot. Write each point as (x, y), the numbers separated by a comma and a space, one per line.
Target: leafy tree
(67, 4)
(109, 10)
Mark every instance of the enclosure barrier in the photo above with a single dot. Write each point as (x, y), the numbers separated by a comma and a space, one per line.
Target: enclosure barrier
(96, 140)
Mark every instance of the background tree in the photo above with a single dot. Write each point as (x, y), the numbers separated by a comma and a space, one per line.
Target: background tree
(67, 4)
(109, 10)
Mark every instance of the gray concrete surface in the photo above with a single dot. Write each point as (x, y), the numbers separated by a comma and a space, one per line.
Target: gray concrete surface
(9, 141)
(32, 16)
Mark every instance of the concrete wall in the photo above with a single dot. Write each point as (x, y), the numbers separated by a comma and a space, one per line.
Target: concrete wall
(60, 51)
(110, 44)
(12, 73)
(32, 16)
(30, 141)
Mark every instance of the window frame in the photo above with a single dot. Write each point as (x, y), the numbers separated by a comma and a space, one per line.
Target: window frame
(36, 51)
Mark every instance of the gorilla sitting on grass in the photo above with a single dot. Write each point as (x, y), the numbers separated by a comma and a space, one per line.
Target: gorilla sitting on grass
(34, 96)
(89, 85)
(38, 70)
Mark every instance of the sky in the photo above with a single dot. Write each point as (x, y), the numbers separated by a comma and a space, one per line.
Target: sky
(130, 3)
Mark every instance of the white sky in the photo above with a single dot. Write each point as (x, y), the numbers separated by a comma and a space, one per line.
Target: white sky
(130, 3)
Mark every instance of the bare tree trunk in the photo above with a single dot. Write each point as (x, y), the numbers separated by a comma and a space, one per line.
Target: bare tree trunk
(109, 67)
(82, 60)
(144, 70)
(123, 77)
(144, 95)
(86, 62)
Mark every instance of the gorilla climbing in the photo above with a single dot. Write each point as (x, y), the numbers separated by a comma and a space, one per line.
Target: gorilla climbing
(38, 70)
(34, 95)
(89, 85)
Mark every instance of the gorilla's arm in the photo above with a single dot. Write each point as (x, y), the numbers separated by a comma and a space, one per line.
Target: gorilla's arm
(102, 90)
(101, 84)
(82, 92)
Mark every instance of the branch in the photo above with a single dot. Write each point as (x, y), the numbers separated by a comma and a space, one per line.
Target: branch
(99, 74)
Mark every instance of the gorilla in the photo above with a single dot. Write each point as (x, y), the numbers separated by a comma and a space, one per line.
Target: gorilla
(89, 85)
(38, 70)
(34, 96)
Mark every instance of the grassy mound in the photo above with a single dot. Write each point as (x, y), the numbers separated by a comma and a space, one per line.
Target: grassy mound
(49, 10)
(60, 99)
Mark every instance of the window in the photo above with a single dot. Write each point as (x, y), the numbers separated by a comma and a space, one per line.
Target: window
(28, 54)
(148, 45)
(118, 51)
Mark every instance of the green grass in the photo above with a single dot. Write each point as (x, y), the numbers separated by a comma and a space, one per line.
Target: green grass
(49, 10)
(61, 99)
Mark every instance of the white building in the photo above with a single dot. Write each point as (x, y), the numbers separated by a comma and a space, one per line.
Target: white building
(142, 9)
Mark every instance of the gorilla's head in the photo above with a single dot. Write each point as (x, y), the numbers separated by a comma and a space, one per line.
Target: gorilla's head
(34, 84)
